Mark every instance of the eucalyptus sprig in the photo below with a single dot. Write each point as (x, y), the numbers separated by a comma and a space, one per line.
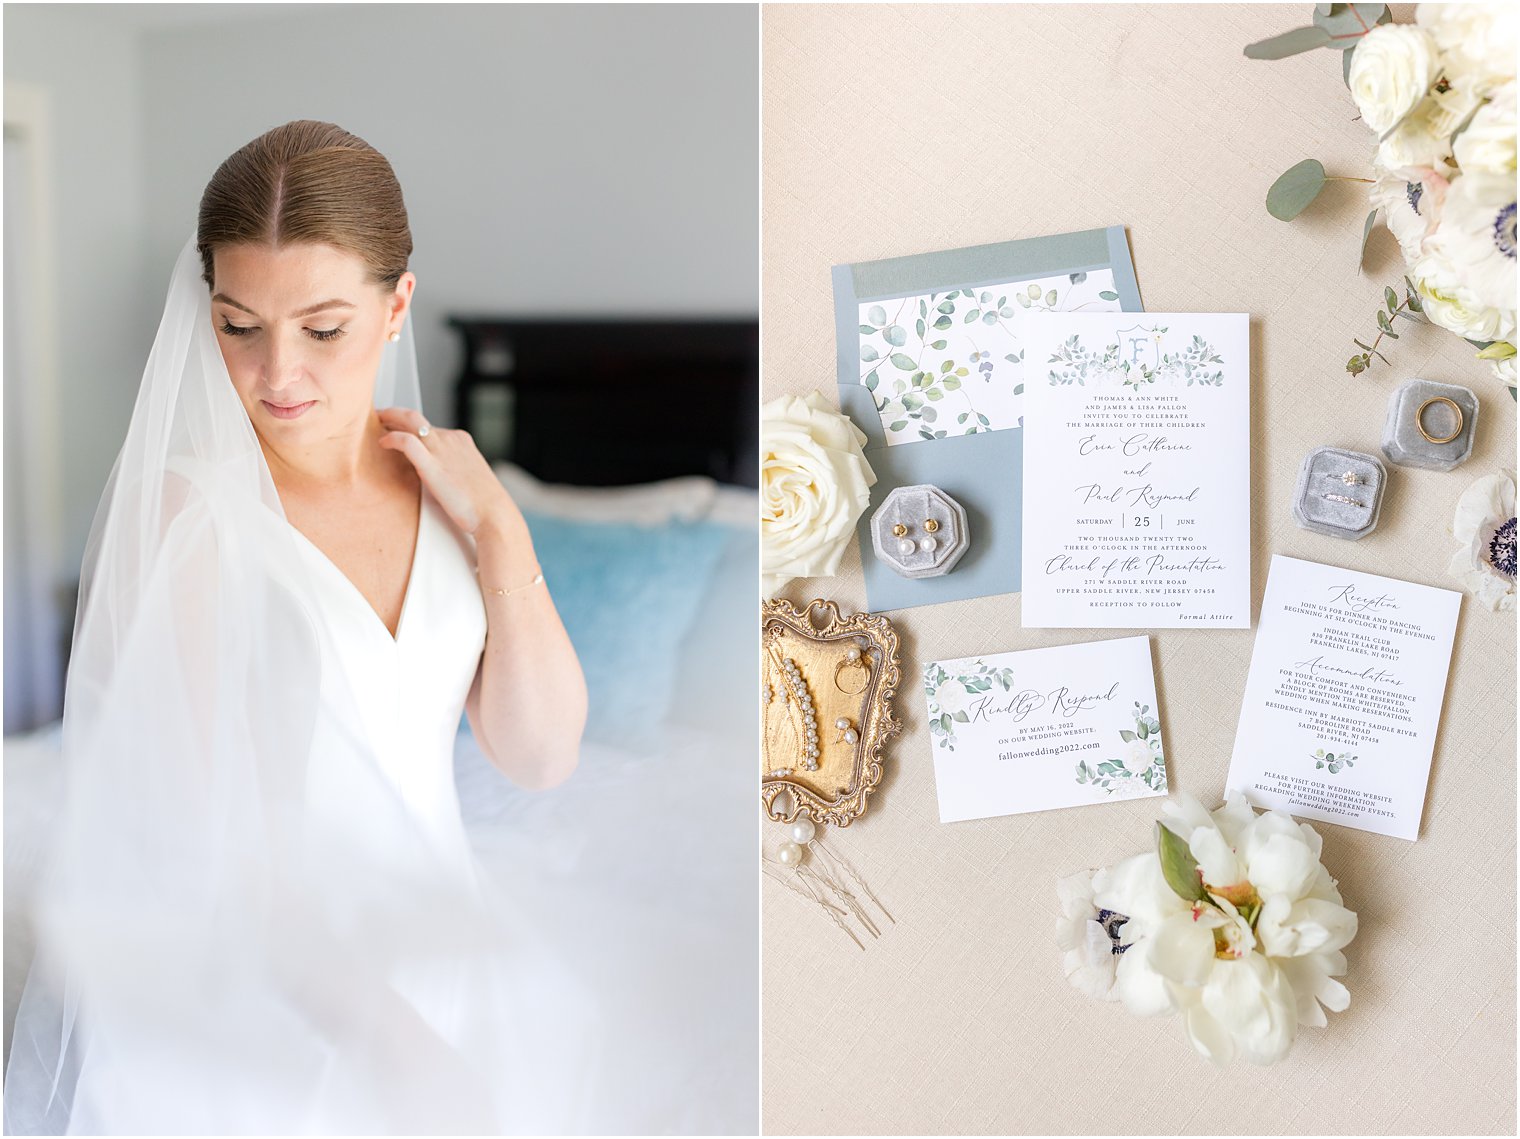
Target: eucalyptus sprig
(1408, 308)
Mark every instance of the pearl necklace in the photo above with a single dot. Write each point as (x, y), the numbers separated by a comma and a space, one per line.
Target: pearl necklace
(798, 702)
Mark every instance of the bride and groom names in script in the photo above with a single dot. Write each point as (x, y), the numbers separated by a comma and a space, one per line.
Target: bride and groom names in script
(1136, 471)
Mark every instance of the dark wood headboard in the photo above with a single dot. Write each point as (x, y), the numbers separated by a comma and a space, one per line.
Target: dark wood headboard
(605, 403)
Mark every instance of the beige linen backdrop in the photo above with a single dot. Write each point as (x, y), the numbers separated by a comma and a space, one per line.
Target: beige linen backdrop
(899, 130)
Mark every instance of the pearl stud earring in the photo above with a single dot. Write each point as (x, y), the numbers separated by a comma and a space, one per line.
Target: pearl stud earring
(847, 734)
(395, 336)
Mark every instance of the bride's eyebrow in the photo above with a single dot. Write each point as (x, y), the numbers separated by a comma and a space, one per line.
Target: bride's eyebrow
(336, 302)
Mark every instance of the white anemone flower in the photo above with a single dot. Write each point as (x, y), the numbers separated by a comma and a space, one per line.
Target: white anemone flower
(1485, 527)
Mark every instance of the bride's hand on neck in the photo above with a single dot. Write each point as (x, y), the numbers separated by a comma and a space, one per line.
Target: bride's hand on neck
(454, 472)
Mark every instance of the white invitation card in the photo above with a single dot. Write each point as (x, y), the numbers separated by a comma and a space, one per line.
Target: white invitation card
(1137, 482)
(1044, 728)
(1344, 696)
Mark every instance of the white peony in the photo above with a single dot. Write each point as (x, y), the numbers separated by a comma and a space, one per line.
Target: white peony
(1477, 236)
(1476, 42)
(1488, 143)
(1447, 301)
(1485, 527)
(1392, 68)
(1258, 956)
(814, 485)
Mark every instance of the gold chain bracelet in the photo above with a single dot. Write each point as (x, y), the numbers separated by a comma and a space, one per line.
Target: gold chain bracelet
(538, 579)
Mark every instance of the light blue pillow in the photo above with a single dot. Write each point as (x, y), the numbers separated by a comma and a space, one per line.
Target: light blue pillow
(628, 596)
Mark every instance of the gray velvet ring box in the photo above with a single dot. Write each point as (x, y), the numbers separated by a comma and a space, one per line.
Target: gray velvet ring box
(1323, 472)
(1402, 441)
(910, 507)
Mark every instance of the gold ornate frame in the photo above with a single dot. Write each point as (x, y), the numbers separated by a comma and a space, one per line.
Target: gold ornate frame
(817, 638)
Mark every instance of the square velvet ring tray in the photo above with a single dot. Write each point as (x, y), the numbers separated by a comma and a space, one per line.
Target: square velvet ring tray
(1339, 492)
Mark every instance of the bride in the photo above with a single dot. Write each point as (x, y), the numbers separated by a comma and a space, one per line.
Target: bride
(261, 912)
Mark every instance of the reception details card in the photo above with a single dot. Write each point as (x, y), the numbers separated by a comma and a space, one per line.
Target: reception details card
(1044, 728)
(1137, 488)
(1344, 696)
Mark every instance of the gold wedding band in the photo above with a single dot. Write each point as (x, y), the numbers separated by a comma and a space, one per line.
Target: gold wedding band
(1419, 420)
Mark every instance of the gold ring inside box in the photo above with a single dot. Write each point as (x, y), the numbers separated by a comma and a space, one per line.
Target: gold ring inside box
(1419, 420)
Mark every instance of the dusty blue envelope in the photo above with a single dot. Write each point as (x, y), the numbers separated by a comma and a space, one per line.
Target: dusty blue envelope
(983, 470)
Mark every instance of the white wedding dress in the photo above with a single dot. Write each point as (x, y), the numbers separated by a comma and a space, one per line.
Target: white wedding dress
(415, 1003)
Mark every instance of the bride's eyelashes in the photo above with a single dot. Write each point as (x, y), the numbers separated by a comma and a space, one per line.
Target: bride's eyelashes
(323, 334)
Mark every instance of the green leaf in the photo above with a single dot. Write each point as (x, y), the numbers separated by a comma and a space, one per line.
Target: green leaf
(1023, 300)
(867, 330)
(876, 315)
(952, 384)
(1363, 347)
(962, 718)
(1288, 43)
(942, 323)
(1497, 350)
(1392, 299)
(946, 307)
(871, 380)
(1127, 736)
(1295, 188)
(898, 426)
(1346, 65)
(1361, 257)
(1050, 297)
(1179, 867)
(1346, 24)
(896, 335)
(921, 328)
(944, 721)
(904, 362)
(867, 353)
(946, 365)
(1383, 322)
(1109, 295)
(1034, 292)
(938, 346)
(1143, 731)
(972, 315)
(933, 394)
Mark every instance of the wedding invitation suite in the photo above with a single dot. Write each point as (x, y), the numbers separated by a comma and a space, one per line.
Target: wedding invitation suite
(1344, 696)
(1136, 481)
(931, 367)
(1044, 728)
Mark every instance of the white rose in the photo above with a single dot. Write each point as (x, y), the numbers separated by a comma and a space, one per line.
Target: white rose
(1447, 301)
(1488, 143)
(1504, 372)
(951, 696)
(1138, 757)
(1476, 41)
(1421, 143)
(814, 485)
(1477, 237)
(1391, 69)
(1485, 527)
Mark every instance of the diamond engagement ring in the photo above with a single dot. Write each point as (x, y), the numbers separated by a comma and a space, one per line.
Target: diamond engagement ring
(1350, 478)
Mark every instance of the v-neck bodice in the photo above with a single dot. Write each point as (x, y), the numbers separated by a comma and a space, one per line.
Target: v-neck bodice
(409, 690)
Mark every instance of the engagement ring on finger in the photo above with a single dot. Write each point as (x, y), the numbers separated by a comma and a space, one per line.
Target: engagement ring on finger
(423, 430)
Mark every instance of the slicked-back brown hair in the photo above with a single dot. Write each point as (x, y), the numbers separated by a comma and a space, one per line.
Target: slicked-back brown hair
(308, 181)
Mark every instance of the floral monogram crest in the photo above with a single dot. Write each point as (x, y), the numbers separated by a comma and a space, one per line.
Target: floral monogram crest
(1141, 761)
(1135, 360)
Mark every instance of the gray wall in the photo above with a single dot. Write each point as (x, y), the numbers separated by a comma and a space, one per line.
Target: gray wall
(555, 159)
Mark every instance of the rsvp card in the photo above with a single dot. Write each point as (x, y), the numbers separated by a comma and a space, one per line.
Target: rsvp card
(1344, 696)
(1044, 728)
(1137, 482)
